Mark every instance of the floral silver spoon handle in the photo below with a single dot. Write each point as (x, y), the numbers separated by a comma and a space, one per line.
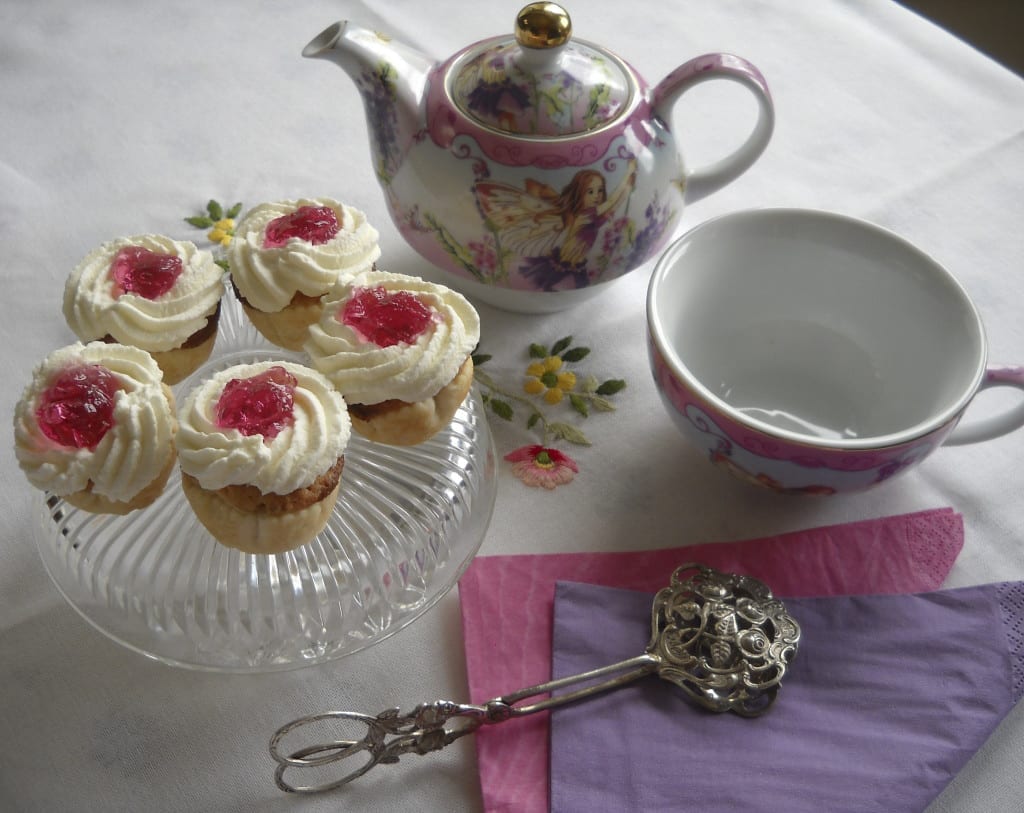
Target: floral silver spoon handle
(720, 637)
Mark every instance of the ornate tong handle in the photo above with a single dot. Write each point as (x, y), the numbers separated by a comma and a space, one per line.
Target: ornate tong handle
(720, 637)
(419, 732)
(424, 729)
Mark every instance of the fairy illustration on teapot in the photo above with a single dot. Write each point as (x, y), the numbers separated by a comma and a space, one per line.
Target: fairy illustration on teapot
(553, 232)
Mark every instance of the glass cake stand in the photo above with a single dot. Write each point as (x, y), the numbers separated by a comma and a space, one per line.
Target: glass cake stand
(407, 523)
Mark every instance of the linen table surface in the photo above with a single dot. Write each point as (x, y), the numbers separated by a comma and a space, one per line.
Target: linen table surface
(124, 118)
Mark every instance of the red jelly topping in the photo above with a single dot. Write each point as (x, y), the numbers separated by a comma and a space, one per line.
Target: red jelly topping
(77, 409)
(314, 224)
(260, 405)
(384, 318)
(138, 270)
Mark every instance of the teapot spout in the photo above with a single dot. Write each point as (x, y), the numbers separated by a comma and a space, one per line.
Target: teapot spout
(392, 80)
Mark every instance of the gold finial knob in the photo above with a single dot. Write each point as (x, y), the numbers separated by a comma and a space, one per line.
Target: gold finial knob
(543, 25)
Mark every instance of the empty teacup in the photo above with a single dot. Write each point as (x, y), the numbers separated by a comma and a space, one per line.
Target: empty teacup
(812, 352)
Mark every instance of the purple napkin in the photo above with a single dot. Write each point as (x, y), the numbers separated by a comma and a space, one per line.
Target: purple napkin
(888, 698)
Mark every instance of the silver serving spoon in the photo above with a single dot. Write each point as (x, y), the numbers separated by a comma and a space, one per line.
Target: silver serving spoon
(720, 637)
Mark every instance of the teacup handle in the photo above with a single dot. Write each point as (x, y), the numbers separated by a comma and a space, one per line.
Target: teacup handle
(995, 425)
(707, 179)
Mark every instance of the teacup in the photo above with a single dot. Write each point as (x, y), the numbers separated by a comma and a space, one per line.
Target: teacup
(811, 352)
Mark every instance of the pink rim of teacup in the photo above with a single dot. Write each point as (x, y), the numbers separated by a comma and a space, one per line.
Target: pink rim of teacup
(770, 453)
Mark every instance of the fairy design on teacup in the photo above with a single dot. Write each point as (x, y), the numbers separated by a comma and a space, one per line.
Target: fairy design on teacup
(777, 468)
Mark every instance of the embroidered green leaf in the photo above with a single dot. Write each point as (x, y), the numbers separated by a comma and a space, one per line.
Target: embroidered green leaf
(560, 345)
(547, 388)
(503, 409)
(611, 386)
(215, 209)
(576, 354)
(223, 264)
(199, 221)
(235, 210)
(569, 433)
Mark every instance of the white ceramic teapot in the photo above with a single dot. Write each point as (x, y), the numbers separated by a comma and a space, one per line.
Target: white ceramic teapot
(532, 168)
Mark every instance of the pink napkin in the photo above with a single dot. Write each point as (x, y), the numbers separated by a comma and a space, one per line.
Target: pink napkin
(507, 606)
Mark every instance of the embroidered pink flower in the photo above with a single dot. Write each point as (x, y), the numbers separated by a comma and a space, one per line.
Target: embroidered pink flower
(538, 465)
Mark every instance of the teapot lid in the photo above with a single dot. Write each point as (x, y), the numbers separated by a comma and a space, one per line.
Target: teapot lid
(540, 83)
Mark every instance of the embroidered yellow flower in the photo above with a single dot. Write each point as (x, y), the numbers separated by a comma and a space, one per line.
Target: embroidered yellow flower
(221, 223)
(547, 377)
(222, 232)
(549, 389)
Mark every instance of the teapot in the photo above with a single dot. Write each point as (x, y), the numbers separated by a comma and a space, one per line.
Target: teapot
(534, 168)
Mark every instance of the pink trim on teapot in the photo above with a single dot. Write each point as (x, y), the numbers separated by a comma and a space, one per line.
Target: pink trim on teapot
(445, 123)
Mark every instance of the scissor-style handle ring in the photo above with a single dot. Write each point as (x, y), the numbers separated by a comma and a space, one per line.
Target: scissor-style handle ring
(388, 736)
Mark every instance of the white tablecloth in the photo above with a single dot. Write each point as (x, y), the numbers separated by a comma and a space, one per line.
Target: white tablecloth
(124, 117)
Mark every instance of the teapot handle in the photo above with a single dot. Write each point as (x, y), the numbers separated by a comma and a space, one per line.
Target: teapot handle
(707, 179)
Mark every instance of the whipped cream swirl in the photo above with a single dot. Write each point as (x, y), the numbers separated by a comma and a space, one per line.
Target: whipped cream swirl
(269, 278)
(132, 452)
(93, 308)
(293, 459)
(366, 373)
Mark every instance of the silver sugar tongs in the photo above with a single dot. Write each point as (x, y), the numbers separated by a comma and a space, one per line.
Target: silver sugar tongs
(721, 637)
